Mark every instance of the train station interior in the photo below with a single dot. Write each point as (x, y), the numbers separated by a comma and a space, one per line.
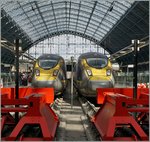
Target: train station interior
(74, 70)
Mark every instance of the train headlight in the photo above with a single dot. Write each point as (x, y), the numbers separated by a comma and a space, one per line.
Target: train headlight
(37, 72)
(108, 72)
(55, 72)
(89, 72)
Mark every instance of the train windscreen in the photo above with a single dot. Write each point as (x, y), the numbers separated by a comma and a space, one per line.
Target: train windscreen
(97, 62)
(47, 64)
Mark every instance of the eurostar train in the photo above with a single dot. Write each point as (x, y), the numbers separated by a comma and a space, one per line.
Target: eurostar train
(93, 70)
(50, 71)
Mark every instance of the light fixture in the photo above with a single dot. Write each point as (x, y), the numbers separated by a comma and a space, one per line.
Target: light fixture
(122, 52)
(20, 48)
(89, 72)
(130, 66)
(7, 65)
(108, 72)
(37, 72)
(3, 41)
(111, 7)
(132, 41)
(55, 72)
(132, 48)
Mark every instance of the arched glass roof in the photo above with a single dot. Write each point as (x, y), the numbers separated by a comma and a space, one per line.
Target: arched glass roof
(92, 19)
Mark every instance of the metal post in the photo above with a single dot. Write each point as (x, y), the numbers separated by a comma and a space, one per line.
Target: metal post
(127, 75)
(135, 69)
(72, 82)
(17, 76)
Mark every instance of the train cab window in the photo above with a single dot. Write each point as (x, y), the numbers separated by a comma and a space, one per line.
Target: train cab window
(97, 62)
(47, 64)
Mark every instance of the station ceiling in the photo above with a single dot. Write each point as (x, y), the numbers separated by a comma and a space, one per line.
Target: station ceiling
(110, 24)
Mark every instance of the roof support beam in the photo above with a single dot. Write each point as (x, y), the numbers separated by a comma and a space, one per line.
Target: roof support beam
(103, 19)
(27, 17)
(41, 16)
(78, 16)
(90, 16)
(54, 15)
(69, 15)
(66, 14)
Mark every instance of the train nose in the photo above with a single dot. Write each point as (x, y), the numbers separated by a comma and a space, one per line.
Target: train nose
(56, 84)
(93, 84)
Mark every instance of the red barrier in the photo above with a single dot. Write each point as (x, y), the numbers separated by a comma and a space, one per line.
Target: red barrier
(125, 91)
(37, 113)
(100, 94)
(23, 92)
(6, 119)
(7, 93)
(48, 93)
(114, 114)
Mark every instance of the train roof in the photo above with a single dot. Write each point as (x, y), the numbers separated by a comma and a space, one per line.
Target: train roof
(91, 55)
(50, 56)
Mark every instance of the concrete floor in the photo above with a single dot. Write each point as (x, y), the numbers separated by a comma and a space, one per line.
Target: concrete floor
(71, 127)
